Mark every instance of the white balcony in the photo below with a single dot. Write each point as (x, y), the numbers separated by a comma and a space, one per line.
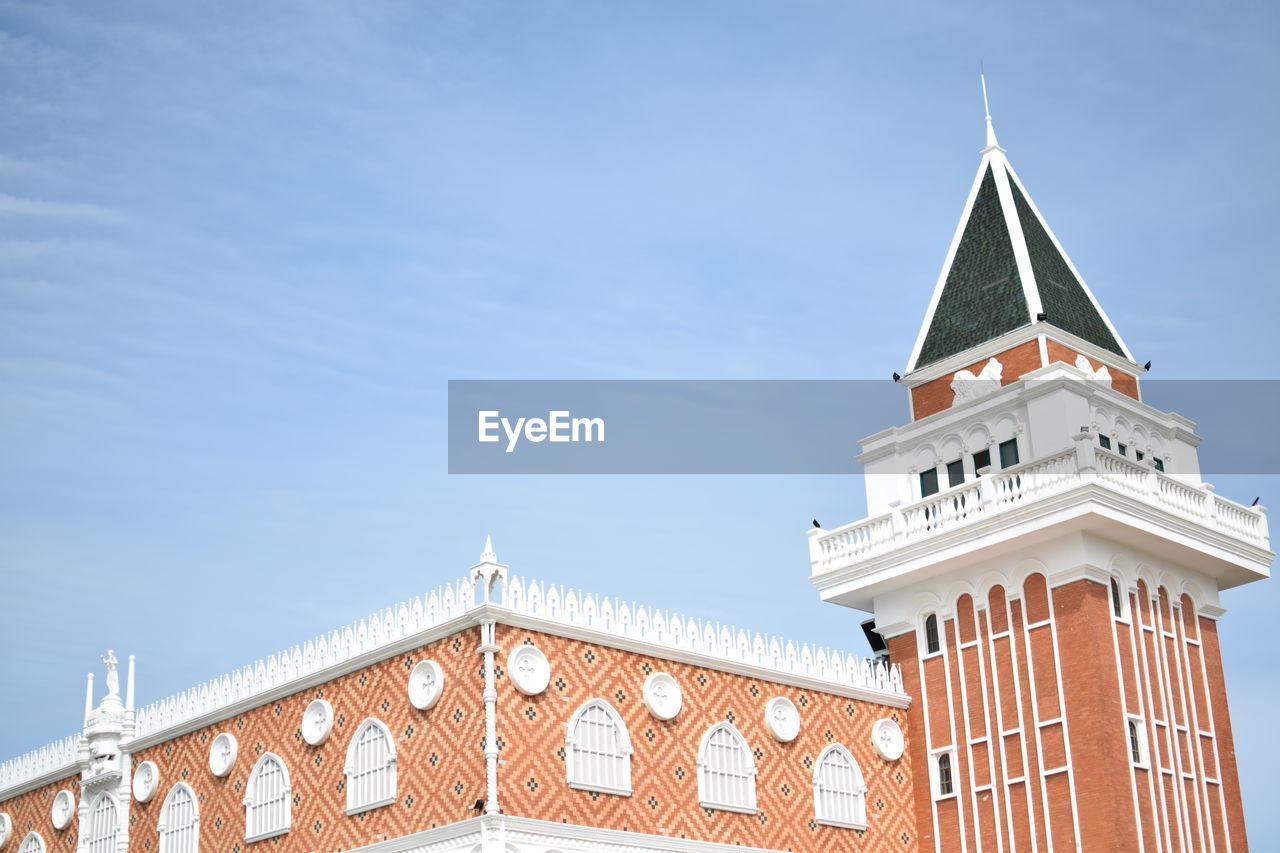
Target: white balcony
(1084, 486)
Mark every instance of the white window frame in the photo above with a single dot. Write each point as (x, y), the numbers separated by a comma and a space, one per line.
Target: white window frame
(388, 767)
(167, 831)
(1125, 613)
(706, 780)
(25, 846)
(97, 842)
(924, 634)
(578, 771)
(856, 788)
(1143, 745)
(935, 782)
(252, 830)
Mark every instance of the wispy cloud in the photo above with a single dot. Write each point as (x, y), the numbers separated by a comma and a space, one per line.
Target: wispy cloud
(77, 211)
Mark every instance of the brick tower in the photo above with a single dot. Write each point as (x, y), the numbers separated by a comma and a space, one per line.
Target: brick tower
(1044, 560)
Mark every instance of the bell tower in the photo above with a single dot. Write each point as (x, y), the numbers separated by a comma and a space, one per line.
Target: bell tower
(1043, 558)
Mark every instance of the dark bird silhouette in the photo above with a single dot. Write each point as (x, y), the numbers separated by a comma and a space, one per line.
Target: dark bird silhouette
(1146, 366)
(479, 806)
(1255, 500)
(819, 526)
(896, 377)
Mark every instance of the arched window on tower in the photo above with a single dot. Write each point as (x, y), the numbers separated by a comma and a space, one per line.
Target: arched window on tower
(33, 843)
(1117, 599)
(179, 825)
(104, 825)
(726, 770)
(839, 793)
(371, 767)
(598, 749)
(267, 810)
(931, 642)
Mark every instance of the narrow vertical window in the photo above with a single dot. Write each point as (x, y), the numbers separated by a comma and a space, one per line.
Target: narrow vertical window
(726, 770)
(371, 767)
(931, 643)
(839, 793)
(598, 750)
(1104, 441)
(1008, 453)
(1137, 742)
(1159, 463)
(179, 821)
(1117, 599)
(267, 808)
(928, 482)
(1139, 455)
(955, 472)
(981, 459)
(1124, 449)
(946, 786)
(33, 843)
(104, 825)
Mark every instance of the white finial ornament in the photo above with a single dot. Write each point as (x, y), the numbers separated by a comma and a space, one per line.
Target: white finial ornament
(986, 106)
(489, 571)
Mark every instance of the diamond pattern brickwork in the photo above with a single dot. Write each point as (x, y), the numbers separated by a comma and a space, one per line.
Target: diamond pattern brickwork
(428, 793)
(664, 767)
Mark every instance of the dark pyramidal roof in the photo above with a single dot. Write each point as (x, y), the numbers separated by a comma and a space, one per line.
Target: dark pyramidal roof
(1005, 267)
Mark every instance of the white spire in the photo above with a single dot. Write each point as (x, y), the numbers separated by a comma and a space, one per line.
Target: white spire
(986, 106)
(488, 555)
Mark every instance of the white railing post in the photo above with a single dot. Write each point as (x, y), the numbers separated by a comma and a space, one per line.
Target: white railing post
(897, 526)
(1264, 533)
(1086, 457)
(986, 491)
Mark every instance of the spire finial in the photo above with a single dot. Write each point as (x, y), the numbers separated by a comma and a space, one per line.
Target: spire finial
(488, 555)
(986, 106)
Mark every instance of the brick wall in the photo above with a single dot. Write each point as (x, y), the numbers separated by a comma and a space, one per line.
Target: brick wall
(531, 732)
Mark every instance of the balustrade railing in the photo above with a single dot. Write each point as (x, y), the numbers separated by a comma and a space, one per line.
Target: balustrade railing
(1017, 486)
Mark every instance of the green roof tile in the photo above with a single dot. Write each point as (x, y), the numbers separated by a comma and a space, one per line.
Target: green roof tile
(982, 298)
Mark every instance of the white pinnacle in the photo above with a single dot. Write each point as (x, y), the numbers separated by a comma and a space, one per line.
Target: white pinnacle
(488, 555)
(991, 131)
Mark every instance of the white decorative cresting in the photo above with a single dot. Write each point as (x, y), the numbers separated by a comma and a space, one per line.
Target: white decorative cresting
(145, 781)
(63, 809)
(966, 386)
(317, 721)
(887, 740)
(426, 684)
(222, 754)
(6, 828)
(58, 758)
(511, 598)
(662, 695)
(782, 719)
(529, 670)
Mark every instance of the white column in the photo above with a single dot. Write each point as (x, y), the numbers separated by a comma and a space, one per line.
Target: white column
(488, 647)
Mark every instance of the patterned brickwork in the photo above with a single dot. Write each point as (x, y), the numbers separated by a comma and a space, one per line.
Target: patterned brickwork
(440, 766)
(31, 812)
(531, 734)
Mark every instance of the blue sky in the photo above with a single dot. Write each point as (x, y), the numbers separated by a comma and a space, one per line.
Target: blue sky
(244, 246)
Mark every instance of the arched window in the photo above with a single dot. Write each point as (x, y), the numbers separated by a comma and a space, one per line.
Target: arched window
(104, 825)
(267, 810)
(1117, 599)
(598, 749)
(726, 770)
(33, 843)
(931, 644)
(944, 784)
(179, 825)
(371, 767)
(839, 794)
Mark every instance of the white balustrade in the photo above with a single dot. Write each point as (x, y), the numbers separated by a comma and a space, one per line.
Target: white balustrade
(1016, 487)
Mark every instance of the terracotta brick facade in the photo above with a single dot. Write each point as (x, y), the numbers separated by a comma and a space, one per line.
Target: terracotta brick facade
(441, 761)
(936, 395)
(995, 686)
(531, 731)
